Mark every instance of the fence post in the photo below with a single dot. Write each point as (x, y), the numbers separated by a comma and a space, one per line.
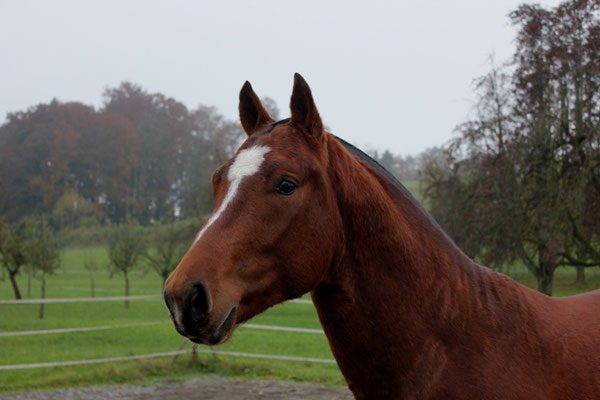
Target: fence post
(181, 346)
(194, 352)
(214, 354)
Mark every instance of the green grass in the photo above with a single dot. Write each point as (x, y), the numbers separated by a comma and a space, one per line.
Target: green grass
(161, 370)
(564, 279)
(413, 187)
(74, 281)
(416, 189)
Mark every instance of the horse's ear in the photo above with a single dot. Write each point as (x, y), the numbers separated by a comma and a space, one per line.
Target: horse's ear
(252, 113)
(304, 111)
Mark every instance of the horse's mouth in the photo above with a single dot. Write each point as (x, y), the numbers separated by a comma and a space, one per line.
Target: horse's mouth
(217, 335)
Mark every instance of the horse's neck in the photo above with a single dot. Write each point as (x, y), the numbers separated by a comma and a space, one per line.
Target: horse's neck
(397, 284)
(388, 241)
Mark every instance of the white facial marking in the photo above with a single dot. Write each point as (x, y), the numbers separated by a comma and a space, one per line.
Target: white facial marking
(247, 163)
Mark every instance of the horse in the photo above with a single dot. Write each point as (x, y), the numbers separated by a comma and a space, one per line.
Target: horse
(406, 313)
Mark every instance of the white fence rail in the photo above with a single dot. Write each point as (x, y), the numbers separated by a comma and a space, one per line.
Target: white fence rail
(80, 299)
(165, 354)
(83, 329)
(98, 299)
(146, 356)
(140, 324)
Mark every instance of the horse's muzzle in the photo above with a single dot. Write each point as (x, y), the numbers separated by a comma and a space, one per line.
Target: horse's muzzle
(193, 321)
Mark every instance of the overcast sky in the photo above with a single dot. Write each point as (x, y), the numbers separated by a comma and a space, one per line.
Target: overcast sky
(385, 74)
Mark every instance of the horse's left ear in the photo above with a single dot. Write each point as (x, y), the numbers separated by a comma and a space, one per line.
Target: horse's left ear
(253, 115)
(304, 111)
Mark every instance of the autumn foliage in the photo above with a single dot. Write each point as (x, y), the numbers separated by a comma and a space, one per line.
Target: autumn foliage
(139, 158)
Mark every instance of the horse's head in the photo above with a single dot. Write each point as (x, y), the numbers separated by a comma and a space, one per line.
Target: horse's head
(274, 229)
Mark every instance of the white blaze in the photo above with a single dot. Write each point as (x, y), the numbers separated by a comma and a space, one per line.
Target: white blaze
(247, 163)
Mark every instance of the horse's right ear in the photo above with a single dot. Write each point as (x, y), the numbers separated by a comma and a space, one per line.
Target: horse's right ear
(304, 111)
(253, 115)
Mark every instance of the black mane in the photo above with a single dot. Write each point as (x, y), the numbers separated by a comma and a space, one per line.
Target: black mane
(361, 155)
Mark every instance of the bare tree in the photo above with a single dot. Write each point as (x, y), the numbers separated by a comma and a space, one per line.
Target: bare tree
(125, 246)
(168, 244)
(92, 267)
(12, 253)
(524, 171)
(41, 251)
(213, 141)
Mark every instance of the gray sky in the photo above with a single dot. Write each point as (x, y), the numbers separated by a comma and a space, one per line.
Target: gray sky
(387, 74)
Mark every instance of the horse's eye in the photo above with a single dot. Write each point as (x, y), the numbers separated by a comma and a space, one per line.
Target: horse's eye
(285, 187)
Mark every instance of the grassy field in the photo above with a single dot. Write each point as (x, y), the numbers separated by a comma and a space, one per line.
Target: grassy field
(74, 281)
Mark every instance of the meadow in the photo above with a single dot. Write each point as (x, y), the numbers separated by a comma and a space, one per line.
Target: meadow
(73, 281)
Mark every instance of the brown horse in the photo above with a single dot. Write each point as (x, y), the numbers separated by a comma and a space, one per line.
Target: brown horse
(407, 314)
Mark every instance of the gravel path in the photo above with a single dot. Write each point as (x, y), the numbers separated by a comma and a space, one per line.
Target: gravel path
(205, 388)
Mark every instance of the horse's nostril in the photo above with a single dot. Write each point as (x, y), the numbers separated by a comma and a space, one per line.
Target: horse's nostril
(198, 303)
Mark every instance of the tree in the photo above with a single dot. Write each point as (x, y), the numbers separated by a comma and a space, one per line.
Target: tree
(557, 82)
(523, 170)
(12, 252)
(41, 251)
(141, 157)
(91, 266)
(59, 148)
(126, 245)
(168, 244)
(213, 141)
(71, 209)
(38, 146)
(29, 271)
(106, 159)
(387, 160)
(162, 128)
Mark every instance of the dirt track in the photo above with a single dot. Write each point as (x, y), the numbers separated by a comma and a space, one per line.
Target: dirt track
(216, 388)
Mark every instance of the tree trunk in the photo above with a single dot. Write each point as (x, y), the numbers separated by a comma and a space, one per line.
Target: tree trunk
(93, 288)
(126, 291)
(546, 277)
(29, 284)
(546, 268)
(545, 283)
(43, 296)
(195, 352)
(13, 280)
(580, 274)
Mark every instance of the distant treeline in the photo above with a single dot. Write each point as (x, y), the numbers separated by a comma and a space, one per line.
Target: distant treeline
(409, 167)
(140, 157)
